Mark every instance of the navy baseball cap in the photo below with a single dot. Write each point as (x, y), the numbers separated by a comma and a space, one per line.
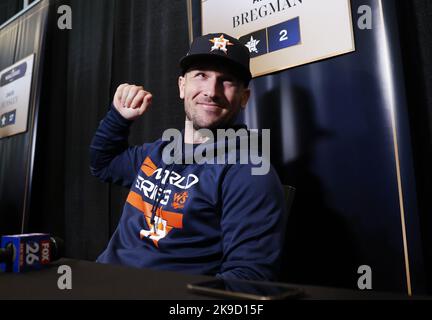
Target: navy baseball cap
(219, 47)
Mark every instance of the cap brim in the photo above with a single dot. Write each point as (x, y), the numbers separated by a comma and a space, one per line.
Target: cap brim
(188, 61)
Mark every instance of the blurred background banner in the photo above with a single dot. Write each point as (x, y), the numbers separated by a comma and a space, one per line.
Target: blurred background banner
(21, 38)
(15, 86)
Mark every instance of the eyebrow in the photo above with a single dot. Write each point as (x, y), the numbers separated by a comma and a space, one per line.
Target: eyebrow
(224, 75)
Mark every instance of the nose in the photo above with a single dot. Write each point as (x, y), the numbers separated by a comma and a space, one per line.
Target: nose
(212, 89)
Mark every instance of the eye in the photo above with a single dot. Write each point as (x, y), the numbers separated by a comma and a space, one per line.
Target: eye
(200, 75)
(230, 82)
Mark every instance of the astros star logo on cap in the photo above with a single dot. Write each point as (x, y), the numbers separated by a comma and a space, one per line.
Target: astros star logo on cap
(221, 44)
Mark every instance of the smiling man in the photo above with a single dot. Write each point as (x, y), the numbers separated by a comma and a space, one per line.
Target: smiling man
(204, 106)
(213, 219)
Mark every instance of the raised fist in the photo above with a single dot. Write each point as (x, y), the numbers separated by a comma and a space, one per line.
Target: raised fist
(131, 101)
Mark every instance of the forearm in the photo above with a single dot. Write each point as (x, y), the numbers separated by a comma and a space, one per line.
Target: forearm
(253, 225)
(249, 272)
(257, 257)
(110, 140)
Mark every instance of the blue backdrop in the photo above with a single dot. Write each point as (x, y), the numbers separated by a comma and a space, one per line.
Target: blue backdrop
(340, 135)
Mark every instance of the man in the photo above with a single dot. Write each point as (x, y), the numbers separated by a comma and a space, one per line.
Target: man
(213, 219)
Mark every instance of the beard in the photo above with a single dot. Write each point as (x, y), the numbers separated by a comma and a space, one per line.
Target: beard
(199, 122)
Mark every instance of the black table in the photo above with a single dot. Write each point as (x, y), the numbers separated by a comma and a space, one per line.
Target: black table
(97, 281)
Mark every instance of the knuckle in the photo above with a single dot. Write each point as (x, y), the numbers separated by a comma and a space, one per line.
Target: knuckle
(132, 91)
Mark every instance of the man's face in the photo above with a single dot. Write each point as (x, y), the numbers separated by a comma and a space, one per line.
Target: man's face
(212, 96)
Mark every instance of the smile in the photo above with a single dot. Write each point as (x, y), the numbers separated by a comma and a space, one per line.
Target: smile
(210, 107)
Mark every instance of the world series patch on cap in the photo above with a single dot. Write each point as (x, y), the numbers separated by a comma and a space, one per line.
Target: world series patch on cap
(219, 47)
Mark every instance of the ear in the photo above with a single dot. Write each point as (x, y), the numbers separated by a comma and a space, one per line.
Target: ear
(245, 97)
(181, 84)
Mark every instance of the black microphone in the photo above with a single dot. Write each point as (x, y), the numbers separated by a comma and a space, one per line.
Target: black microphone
(25, 252)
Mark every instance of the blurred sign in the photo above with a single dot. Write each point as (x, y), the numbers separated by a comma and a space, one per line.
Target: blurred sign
(15, 88)
(282, 34)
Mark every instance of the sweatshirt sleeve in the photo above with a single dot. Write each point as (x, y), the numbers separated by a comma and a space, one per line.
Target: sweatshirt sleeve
(253, 224)
(111, 159)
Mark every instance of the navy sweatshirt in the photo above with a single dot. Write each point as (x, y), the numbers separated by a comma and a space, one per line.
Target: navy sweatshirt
(212, 219)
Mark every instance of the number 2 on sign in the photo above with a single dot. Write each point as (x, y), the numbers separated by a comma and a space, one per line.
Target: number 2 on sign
(284, 35)
(31, 251)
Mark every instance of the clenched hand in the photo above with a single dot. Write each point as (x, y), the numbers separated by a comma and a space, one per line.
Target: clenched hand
(132, 101)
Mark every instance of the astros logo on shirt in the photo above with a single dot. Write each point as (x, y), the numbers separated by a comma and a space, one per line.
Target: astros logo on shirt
(165, 221)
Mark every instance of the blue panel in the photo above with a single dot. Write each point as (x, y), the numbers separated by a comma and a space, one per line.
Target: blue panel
(284, 35)
(7, 119)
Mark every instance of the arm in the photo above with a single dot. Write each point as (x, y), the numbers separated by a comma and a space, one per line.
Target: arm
(111, 159)
(253, 225)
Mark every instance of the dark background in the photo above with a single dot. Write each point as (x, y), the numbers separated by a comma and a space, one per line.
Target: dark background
(9, 8)
(332, 229)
